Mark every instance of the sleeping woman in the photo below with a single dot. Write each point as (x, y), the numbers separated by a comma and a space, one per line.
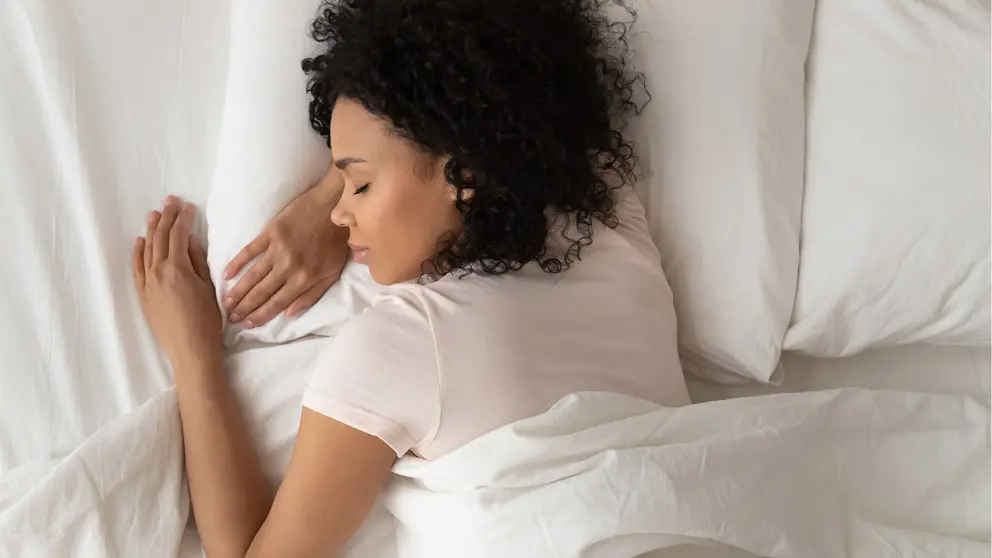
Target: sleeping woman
(479, 170)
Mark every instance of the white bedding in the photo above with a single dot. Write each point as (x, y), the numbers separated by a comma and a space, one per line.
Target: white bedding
(104, 108)
(918, 368)
(895, 218)
(599, 475)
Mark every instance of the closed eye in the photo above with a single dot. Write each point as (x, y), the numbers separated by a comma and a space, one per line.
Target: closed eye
(361, 190)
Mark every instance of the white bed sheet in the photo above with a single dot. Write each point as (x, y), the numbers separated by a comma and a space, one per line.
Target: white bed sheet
(744, 459)
(917, 368)
(105, 107)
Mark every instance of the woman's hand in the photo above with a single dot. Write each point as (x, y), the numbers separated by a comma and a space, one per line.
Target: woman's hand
(303, 254)
(173, 281)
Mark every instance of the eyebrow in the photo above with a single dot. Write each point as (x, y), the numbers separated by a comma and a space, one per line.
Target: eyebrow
(344, 162)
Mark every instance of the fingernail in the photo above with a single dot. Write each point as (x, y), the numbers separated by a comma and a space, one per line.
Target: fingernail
(228, 302)
(169, 200)
(188, 208)
(249, 324)
(152, 216)
(235, 318)
(227, 276)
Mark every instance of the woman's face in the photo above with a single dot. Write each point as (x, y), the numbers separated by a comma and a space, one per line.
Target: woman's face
(396, 202)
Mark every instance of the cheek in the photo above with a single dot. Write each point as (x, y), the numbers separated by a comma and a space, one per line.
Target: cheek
(392, 223)
(420, 222)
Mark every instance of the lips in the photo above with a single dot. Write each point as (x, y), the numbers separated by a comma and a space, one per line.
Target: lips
(359, 253)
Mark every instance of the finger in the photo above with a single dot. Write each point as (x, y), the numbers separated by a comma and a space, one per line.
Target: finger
(138, 263)
(153, 218)
(247, 254)
(309, 297)
(198, 256)
(255, 275)
(179, 237)
(162, 232)
(274, 305)
(257, 297)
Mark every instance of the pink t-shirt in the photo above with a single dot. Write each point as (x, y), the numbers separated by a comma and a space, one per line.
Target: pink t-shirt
(428, 368)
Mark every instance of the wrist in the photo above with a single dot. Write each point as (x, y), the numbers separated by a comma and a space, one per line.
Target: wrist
(203, 357)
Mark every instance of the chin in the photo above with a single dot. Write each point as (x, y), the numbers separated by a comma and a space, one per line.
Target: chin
(380, 278)
(375, 276)
(389, 277)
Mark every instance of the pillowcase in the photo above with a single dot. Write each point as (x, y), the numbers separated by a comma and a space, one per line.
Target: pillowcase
(722, 144)
(896, 228)
(267, 156)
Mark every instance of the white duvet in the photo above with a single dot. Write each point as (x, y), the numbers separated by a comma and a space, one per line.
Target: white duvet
(837, 473)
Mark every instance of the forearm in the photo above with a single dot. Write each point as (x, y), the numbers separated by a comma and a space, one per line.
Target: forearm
(231, 497)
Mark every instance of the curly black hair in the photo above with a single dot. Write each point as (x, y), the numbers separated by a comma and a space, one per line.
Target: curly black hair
(528, 98)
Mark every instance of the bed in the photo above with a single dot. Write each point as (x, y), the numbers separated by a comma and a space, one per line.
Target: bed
(106, 107)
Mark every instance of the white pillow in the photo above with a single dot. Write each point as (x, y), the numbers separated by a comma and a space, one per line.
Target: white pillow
(896, 215)
(722, 141)
(268, 155)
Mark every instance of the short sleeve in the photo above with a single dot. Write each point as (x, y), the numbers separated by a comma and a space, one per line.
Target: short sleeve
(633, 224)
(380, 374)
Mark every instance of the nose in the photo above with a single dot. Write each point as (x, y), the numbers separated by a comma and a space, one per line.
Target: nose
(341, 214)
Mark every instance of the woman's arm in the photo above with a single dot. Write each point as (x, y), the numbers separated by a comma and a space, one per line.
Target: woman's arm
(230, 495)
(334, 477)
(336, 471)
